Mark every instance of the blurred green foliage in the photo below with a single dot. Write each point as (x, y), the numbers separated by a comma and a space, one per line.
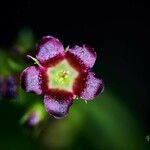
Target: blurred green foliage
(25, 40)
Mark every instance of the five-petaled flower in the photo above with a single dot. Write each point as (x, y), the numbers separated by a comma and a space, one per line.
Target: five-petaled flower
(62, 75)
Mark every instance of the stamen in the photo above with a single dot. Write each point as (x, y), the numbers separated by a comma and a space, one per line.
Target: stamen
(62, 76)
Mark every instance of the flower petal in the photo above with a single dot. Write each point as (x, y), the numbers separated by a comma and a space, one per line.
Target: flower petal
(58, 103)
(93, 87)
(79, 83)
(49, 49)
(31, 80)
(85, 55)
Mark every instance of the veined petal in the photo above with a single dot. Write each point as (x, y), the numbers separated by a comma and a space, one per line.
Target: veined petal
(49, 50)
(93, 87)
(31, 80)
(85, 56)
(58, 103)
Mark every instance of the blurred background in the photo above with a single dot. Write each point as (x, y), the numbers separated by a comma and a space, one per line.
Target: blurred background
(119, 118)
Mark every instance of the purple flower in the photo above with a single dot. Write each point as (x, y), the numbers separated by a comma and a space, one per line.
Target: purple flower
(11, 87)
(8, 87)
(62, 75)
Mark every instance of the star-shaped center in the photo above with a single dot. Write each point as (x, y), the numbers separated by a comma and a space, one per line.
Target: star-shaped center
(61, 76)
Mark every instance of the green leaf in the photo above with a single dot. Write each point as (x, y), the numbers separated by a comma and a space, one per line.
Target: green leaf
(25, 40)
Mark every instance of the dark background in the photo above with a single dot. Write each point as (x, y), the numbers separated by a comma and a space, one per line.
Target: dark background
(119, 32)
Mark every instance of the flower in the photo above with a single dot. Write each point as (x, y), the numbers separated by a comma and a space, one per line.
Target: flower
(32, 120)
(11, 83)
(62, 75)
(8, 87)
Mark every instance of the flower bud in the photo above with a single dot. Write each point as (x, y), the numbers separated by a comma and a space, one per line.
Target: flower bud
(34, 116)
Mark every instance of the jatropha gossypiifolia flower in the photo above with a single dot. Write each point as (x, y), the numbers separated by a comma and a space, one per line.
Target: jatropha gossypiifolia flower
(61, 75)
